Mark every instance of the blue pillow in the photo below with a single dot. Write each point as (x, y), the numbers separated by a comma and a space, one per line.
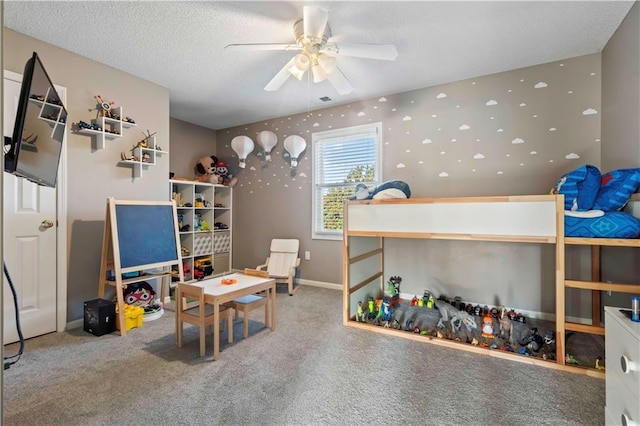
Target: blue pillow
(580, 188)
(611, 225)
(615, 189)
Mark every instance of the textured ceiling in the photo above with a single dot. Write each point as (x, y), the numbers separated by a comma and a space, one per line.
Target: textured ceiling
(180, 45)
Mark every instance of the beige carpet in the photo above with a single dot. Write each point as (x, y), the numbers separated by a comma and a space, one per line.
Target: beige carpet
(312, 370)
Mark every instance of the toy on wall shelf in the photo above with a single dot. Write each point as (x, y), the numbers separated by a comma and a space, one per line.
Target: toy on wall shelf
(104, 107)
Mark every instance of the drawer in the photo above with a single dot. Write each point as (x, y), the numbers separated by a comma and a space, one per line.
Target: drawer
(608, 418)
(619, 343)
(620, 401)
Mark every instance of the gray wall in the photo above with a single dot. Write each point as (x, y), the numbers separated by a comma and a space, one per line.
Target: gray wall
(188, 144)
(621, 135)
(514, 133)
(94, 175)
(621, 95)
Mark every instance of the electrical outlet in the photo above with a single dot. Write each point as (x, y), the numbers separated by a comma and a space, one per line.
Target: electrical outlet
(307, 255)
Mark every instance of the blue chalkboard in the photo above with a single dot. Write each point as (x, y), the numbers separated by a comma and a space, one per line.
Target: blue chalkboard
(146, 234)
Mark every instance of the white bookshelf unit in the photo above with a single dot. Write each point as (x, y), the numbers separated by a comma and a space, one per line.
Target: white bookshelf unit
(204, 216)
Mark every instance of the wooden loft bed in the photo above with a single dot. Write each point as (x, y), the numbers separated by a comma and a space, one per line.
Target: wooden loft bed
(540, 219)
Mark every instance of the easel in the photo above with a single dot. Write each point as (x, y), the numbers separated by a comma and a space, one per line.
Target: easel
(139, 236)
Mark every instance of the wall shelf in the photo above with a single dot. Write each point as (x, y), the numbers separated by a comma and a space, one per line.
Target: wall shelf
(142, 156)
(107, 128)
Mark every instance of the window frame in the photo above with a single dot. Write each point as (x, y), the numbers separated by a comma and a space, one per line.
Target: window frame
(316, 140)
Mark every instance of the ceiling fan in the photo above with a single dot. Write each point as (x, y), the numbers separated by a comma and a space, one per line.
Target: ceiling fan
(317, 53)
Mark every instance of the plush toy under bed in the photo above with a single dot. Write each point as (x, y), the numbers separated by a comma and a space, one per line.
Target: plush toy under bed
(594, 202)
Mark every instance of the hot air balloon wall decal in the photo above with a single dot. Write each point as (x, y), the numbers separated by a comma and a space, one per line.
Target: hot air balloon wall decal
(295, 146)
(243, 146)
(267, 140)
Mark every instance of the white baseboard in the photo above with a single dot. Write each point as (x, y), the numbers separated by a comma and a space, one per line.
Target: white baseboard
(71, 325)
(322, 284)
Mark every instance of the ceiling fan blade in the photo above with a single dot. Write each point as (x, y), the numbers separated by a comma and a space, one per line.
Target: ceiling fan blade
(279, 79)
(262, 46)
(315, 21)
(342, 85)
(386, 52)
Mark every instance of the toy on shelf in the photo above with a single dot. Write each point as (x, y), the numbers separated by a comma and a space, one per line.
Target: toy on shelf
(205, 169)
(487, 326)
(393, 288)
(360, 313)
(104, 107)
(371, 308)
(224, 177)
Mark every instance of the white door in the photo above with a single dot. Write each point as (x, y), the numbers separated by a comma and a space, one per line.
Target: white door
(29, 245)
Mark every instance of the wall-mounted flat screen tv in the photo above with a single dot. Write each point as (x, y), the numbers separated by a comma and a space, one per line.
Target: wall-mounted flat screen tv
(35, 148)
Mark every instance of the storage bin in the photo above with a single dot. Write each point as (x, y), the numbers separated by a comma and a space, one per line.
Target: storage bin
(133, 317)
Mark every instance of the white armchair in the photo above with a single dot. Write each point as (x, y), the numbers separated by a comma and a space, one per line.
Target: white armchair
(282, 262)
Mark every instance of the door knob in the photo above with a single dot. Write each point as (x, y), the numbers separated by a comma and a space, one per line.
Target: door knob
(46, 223)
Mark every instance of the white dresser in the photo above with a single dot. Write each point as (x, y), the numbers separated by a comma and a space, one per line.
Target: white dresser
(622, 352)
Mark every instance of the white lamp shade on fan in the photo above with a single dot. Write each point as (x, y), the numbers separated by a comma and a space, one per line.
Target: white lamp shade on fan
(243, 146)
(295, 145)
(267, 140)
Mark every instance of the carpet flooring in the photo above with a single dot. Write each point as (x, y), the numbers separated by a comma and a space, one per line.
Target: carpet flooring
(311, 371)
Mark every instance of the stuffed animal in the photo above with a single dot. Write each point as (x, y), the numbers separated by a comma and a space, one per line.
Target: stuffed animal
(223, 172)
(389, 189)
(206, 169)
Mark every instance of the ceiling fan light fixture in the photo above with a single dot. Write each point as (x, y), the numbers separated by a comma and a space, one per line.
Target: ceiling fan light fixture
(300, 65)
(328, 63)
(318, 73)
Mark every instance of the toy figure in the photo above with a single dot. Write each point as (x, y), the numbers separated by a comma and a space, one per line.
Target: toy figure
(487, 326)
(371, 304)
(223, 172)
(427, 299)
(360, 313)
(205, 169)
(598, 365)
(393, 288)
(414, 301)
(506, 328)
(142, 294)
(386, 310)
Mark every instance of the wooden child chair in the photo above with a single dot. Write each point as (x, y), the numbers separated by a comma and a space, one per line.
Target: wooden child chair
(250, 302)
(200, 315)
(282, 262)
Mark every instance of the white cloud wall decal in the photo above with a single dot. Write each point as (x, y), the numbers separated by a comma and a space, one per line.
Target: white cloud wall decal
(517, 141)
(541, 85)
(316, 124)
(523, 104)
(443, 174)
(500, 130)
(427, 141)
(589, 111)
(500, 172)
(303, 174)
(533, 153)
(552, 129)
(382, 99)
(400, 166)
(361, 114)
(465, 127)
(572, 156)
(491, 103)
(406, 118)
(478, 156)
(441, 96)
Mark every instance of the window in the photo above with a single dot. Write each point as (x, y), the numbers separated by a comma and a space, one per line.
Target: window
(341, 159)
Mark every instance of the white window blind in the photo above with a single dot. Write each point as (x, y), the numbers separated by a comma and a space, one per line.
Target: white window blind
(342, 158)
